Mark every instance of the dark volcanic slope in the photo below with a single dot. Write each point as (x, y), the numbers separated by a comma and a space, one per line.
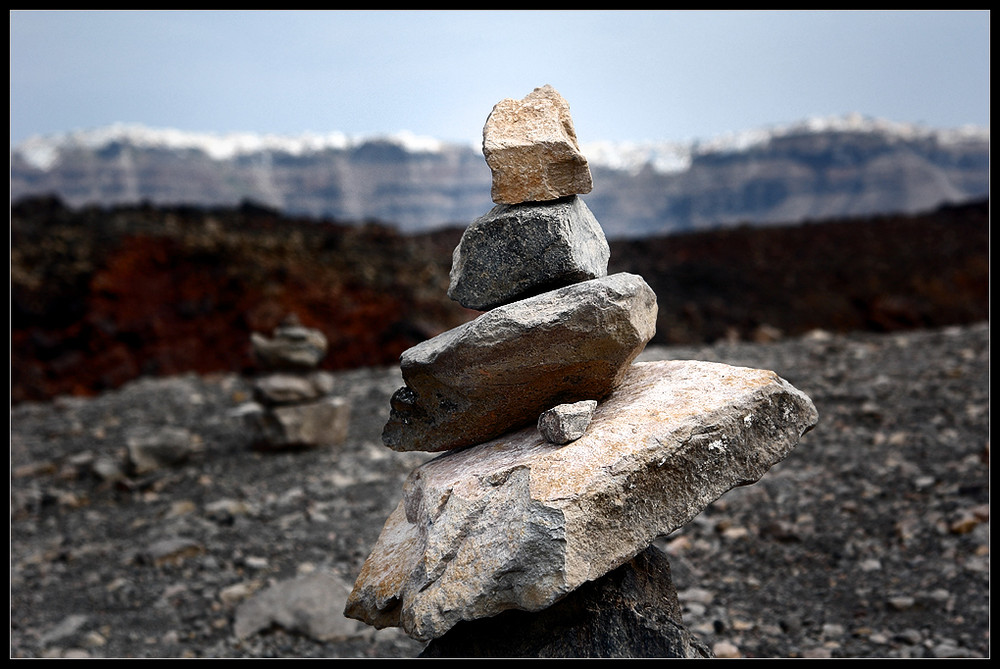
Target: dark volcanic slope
(878, 274)
(871, 539)
(100, 297)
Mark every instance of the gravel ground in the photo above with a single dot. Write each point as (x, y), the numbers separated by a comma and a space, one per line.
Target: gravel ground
(870, 540)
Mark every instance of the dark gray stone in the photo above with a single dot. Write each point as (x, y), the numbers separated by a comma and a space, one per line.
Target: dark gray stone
(516, 251)
(631, 612)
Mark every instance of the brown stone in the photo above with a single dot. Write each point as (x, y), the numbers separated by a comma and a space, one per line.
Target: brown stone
(532, 150)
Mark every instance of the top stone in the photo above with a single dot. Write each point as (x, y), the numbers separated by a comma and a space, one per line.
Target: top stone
(531, 148)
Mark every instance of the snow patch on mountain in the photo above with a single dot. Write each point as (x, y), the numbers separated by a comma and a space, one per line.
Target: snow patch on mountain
(666, 157)
(736, 142)
(42, 152)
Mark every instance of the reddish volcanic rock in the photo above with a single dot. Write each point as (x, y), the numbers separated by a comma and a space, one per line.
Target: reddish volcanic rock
(102, 296)
(182, 291)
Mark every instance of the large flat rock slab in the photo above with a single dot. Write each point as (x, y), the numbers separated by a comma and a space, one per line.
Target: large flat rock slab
(503, 369)
(518, 522)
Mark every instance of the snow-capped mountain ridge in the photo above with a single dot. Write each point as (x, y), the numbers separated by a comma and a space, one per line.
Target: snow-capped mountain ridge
(816, 169)
(676, 156)
(740, 141)
(42, 151)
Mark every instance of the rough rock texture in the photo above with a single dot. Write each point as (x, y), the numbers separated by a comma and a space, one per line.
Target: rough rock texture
(516, 251)
(632, 611)
(323, 422)
(517, 523)
(870, 540)
(566, 422)
(503, 369)
(531, 148)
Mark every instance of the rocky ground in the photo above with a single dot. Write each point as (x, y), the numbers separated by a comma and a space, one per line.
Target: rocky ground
(870, 540)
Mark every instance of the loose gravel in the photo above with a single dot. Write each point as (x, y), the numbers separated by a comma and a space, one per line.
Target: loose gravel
(870, 540)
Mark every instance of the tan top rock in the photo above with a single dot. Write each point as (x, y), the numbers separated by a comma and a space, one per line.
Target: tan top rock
(531, 147)
(517, 522)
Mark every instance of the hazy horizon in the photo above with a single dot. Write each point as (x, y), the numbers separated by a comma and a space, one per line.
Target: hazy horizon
(629, 76)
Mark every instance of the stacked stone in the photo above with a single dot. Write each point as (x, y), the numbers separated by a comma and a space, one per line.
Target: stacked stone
(294, 404)
(557, 329)
(565, 458)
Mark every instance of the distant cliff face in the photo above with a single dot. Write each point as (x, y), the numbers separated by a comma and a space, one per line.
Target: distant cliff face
(378, 180)
(792, 178)
(781, 177)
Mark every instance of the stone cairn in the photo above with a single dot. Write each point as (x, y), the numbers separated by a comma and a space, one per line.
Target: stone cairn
(563, 458)
(294, 405)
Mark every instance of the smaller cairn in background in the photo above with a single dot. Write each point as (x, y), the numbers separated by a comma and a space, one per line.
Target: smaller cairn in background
(294, 403)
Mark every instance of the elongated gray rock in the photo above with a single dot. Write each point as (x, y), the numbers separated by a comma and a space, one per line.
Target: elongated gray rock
(516, 251)
(532, 150)
(503, 369)
(517, 523)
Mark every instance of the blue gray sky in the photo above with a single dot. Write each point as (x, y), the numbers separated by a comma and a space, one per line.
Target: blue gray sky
(628, 75)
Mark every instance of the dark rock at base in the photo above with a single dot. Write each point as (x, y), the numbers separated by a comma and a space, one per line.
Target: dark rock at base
(631, 612)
